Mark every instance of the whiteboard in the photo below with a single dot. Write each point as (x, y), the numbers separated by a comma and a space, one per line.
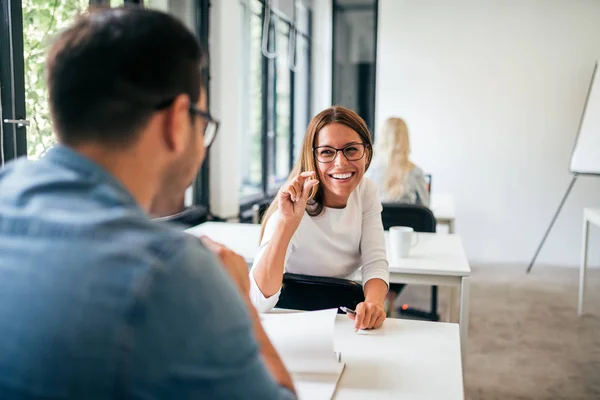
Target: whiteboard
(586, 154)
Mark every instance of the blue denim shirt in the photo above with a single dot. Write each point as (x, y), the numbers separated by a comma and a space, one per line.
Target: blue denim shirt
(98, 302)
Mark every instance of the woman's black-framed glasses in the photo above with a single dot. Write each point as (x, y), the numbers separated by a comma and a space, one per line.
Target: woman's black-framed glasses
(352, 152)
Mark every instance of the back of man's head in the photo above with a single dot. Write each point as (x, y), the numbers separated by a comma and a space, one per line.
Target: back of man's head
(112, 69)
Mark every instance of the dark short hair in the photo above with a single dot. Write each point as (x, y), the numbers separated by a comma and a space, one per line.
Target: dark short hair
(113, 68)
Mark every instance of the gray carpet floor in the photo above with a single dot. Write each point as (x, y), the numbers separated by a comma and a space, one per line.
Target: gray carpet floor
(525, 338)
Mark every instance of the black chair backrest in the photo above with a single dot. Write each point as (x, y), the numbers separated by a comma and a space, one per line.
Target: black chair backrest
(418, 217)
(310, 293)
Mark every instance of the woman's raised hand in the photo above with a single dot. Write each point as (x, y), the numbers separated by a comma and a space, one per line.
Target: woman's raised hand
(293, 196)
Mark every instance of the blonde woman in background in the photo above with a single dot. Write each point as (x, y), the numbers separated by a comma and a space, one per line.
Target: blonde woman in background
(398, 178)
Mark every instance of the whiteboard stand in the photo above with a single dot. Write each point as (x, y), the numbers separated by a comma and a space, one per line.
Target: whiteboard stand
(562, 203)
(584, 159)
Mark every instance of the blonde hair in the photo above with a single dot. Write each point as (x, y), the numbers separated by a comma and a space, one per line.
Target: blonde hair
(306, 161)
(393, 149)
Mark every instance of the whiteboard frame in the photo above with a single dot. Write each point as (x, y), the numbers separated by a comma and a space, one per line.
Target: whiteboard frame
(587, 98)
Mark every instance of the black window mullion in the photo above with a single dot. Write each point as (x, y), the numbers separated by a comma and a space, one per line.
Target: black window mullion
(12, 79)
(292, 114)
(265, 118)
(202, 183)
(273, 114)
(309, 68)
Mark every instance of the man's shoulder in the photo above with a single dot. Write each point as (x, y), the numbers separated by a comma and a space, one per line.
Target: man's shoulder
(13, 173)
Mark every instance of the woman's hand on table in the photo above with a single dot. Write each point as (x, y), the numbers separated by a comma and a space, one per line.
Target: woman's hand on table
(368, 316)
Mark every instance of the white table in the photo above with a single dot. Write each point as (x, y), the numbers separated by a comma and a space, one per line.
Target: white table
(401, 360)
(590, 216)
(437, 259)
(442, 206)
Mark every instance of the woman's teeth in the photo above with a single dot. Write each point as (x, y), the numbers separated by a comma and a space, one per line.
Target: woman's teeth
(342, 176)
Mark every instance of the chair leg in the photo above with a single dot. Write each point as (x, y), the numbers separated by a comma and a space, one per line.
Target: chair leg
(434, 304)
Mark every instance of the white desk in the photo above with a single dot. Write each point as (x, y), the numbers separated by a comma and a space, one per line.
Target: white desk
(401, 360)
(442, 206)
(438, 259)
(590, 216)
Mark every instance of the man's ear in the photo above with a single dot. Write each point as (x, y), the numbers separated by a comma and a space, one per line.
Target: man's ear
(177, 124)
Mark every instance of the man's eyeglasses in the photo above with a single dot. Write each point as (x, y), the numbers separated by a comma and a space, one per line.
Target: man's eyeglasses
(212, 125)
(352, 152)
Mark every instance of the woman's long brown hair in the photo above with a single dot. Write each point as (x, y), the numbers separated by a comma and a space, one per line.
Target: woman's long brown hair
(306, 161)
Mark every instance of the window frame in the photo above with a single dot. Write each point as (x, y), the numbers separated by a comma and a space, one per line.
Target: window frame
(269, 114)
(12, 81)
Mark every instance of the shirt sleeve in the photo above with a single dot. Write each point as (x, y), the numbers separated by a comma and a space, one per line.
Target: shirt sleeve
(372, 242)
(262, 303)
(421, 186)
(189, 335)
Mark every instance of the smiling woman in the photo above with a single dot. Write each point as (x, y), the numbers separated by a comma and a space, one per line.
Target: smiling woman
(326, 220)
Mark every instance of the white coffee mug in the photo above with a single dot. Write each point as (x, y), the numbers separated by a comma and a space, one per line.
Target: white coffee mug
(401, 241)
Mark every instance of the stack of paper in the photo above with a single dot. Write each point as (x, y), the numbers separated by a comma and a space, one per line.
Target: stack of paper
(304, 341)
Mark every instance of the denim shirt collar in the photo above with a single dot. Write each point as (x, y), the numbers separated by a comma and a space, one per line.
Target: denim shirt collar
(71, 159)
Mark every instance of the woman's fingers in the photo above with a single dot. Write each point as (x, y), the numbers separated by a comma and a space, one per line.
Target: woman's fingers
(379, 321)
(307, 174)
(374, 314)
(308, 185)
(368, 316)
(360, 316)
(292, 191)
(299, 187)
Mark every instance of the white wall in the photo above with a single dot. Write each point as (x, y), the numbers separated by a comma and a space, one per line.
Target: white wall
(321, 55)
(225, 91)
(493, 92)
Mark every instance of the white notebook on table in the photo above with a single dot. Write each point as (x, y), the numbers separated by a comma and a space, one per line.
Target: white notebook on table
(304, 340)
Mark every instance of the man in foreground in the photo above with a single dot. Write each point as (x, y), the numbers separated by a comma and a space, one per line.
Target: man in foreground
(96, 301)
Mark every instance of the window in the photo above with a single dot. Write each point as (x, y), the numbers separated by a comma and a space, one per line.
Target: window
(354, 56)
(41, 21)
(251, 131)
(32, 25)
(26, 29)
(275, 101)
(281, 153)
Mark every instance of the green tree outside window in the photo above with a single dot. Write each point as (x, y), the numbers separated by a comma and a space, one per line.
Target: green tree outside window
(42, 20)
